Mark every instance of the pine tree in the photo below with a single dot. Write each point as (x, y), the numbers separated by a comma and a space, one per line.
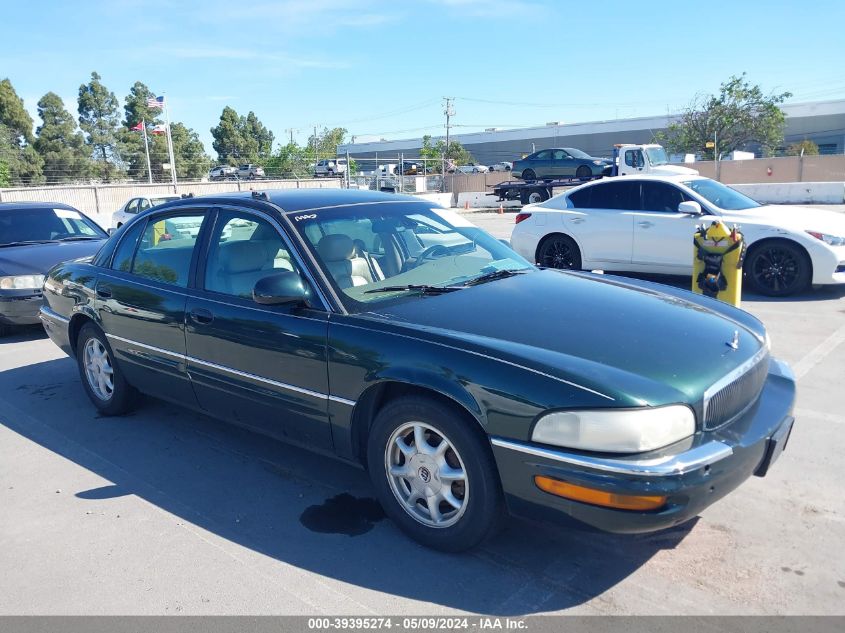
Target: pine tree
(99, 118)
(20, 162)
(60, 145)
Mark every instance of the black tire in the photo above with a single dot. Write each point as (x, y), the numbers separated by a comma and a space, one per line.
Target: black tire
(123, 396)
(584, 172)
(559, 251)
(777, 268)
(479, 493)
(529, 174)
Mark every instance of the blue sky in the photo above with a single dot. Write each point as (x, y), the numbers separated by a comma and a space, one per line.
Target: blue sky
(382, 68)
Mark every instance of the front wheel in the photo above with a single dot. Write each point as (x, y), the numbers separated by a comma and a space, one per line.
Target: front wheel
(559, 251)
(101, 377)
(434, 474)
(778, 268)
(583, 172)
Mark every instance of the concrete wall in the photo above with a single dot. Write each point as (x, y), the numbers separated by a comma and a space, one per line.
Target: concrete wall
(100, 201)
(786, 169)
(795, 192)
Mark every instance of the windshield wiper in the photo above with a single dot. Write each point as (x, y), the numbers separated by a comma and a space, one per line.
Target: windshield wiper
(423, 289)
(493, 275)
(25, 242)
(76, 238)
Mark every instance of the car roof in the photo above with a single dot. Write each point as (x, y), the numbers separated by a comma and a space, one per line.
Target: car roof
(298, 199)
(31, 204)
(675, 178)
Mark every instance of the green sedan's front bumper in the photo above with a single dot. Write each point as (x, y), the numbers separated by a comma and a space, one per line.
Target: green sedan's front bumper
(706, 469)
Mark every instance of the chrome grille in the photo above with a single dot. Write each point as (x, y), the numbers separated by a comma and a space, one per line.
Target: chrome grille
(730, 397)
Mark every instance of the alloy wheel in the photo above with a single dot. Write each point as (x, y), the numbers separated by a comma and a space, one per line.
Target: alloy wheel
(426, 474)
(98, 369)
(776, 269)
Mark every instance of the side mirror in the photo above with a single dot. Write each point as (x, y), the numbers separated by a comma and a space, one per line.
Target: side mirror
(111, 230)
(282, 288)
(690, 207)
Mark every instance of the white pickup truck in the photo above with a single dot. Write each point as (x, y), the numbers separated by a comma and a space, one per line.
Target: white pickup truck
(647, 159)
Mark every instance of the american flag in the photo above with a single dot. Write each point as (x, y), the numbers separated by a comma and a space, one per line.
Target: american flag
(155, 102)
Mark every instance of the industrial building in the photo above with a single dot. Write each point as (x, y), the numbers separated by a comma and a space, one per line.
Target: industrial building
(822, 122)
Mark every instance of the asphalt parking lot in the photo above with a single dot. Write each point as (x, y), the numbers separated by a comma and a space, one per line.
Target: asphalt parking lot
(169, 512)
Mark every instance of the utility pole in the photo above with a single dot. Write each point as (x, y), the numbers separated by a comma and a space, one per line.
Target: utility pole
(290, 131)
(315, 142)
(449, 111)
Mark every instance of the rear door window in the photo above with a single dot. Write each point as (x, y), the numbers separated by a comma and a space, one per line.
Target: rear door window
(616, 195)
(166, 248)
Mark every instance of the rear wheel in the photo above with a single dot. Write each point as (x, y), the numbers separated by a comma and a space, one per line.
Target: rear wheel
(559, 251)
(583, 172)
(434, 474)
(778, 268)
(101, 377)
(529, 174)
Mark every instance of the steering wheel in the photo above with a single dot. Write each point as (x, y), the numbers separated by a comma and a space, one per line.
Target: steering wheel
(430, 252)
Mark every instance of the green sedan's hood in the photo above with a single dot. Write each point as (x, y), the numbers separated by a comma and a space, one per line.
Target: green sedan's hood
(635, 341)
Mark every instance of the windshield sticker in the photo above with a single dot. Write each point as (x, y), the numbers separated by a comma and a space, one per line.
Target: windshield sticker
(67, 214)
(309, 216)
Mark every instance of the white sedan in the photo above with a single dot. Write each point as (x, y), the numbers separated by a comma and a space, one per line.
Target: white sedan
(472, 169)
(134, 206)
(645, 224)
(502, 166)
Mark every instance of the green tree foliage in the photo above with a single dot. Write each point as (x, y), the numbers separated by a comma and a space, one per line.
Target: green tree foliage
(324, 145)
(17, 155)
(809, 148)
(131, 142)
(740, 115)
(191, 160)
(456, 153)
(99, 118)
(241, 139)
(290, 161)
(59, 143)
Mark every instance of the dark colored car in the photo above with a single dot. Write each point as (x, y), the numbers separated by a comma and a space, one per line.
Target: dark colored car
(34, 237)
(402, 338)
(561, 162)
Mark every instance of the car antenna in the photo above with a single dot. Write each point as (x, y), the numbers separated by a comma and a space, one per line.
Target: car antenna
(188, 195)
(261, 195)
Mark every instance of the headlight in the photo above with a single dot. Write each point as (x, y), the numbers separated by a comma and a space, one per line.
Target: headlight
(598, 162)
(22, 282)
(616, 430)
(833, 240)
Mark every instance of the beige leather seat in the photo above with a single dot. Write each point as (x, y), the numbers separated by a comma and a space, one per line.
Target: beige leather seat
(344, 263)
(244, 262)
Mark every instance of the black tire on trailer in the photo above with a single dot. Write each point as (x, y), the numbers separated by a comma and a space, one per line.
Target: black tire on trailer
(533, 195)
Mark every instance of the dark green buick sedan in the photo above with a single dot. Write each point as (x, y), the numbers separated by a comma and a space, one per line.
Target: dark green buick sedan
(400, 337)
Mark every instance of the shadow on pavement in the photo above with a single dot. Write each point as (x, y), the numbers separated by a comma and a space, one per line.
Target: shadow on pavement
(255, 492)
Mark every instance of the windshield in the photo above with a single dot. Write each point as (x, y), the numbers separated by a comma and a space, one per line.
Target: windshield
(657, 155)
(576, 153)
(369, 247)
(720, 195)
(45, 225)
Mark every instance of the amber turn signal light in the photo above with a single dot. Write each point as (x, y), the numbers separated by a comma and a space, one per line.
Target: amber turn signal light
(598, 497)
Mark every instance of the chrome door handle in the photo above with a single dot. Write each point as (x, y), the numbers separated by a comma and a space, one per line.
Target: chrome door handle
(645, 224)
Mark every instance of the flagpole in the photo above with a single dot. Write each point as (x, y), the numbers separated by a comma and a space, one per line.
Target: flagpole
(170, 145)
(147, 150)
